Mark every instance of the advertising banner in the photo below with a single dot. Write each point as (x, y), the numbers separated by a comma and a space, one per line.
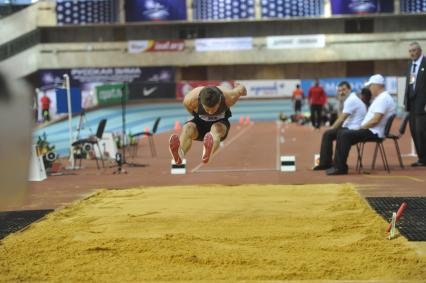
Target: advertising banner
(223, 44)
(155, 10)
(269, 88)
(357, 83)
(110, 94)
(62, 100)
(218, 9)
(183, 87)
(152, 90)
(295, 41)
(87, 79)
(330, 84)
(138, 46)
(361, 6)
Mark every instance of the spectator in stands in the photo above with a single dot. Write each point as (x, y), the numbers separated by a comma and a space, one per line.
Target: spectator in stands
(351, 117)
(210, 107)
(45, 107)
(317, 98)
(366, 96)
(415, 101)
(297, 99)
(372, 126)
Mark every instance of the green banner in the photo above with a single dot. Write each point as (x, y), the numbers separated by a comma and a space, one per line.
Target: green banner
(111, 93)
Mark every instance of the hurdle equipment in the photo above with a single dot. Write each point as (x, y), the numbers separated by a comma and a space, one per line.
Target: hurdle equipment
(248, 120)
(288, 163)
(178, 169)
(398, 215)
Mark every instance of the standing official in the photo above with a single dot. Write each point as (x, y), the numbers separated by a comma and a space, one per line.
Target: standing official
(317, 99)
(415, 101)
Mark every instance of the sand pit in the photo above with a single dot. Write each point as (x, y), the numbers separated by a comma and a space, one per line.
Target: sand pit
(311, 232)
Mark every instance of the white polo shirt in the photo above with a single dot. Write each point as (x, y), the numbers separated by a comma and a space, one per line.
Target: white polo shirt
(382, 104)
(356, 109)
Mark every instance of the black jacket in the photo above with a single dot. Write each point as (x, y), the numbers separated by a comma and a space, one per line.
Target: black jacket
(418, 96)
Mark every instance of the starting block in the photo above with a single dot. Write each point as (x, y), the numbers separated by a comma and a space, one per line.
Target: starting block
(178, 169)
(288, 163)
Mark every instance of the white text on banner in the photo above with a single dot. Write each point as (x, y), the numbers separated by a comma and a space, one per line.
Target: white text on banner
(269, 88)
(295, 41)
(223, 44)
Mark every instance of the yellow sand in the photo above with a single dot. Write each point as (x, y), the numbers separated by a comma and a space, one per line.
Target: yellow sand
(211, 233)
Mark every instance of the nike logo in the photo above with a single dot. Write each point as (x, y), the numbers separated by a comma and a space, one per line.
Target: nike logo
(149, 91)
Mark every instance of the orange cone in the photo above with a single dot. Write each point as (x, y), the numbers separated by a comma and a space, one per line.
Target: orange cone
(248, 120)
(177, 125)
(241, 120)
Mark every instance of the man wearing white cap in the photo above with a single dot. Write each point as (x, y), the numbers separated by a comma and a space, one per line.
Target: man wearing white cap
(415, 101)
(372, 126)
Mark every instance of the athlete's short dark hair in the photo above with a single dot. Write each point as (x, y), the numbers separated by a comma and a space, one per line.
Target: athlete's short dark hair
(345, 83)
(209, 96)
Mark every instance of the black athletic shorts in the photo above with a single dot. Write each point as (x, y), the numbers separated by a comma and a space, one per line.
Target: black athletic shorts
(204, 127)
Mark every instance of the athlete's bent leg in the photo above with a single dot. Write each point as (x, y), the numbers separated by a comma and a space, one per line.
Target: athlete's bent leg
(179, 146)
(212, 139)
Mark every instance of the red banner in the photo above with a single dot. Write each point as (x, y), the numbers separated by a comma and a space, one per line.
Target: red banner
(183, 87)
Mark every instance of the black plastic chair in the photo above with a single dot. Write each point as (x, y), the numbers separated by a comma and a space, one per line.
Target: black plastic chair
(150, 136)
(395, 138)
(379, 147)
(88, 143)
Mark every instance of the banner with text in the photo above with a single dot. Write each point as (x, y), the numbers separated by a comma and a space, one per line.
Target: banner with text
(223, 44)
(110, 94)
(269, 88)
(357, 83)
(183, 87)
(330, 84)
(152, 90)
(295, 41)
(139, 46)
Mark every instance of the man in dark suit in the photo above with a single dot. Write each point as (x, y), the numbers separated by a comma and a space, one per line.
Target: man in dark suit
(415, 101)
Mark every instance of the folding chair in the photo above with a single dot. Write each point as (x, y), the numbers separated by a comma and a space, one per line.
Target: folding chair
(395, 138)
(91, 141)
(150, 135)
(379, 147)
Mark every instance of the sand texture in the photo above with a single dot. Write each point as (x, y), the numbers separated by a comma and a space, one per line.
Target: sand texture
(255, 232)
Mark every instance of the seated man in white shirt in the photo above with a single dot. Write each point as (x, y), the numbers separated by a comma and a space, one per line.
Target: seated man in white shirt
(373, 125)
(353, 113)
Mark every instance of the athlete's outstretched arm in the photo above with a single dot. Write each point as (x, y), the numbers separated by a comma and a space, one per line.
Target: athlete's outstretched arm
(191, 100)
(232, 96)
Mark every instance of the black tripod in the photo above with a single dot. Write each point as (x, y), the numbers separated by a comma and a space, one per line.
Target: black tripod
(122, 161)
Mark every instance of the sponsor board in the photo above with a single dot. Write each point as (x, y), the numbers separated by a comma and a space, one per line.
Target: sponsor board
(139, 46)
(223, 44)
(183, 87)
(295, 41)
(152, 90)
(269, 88)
